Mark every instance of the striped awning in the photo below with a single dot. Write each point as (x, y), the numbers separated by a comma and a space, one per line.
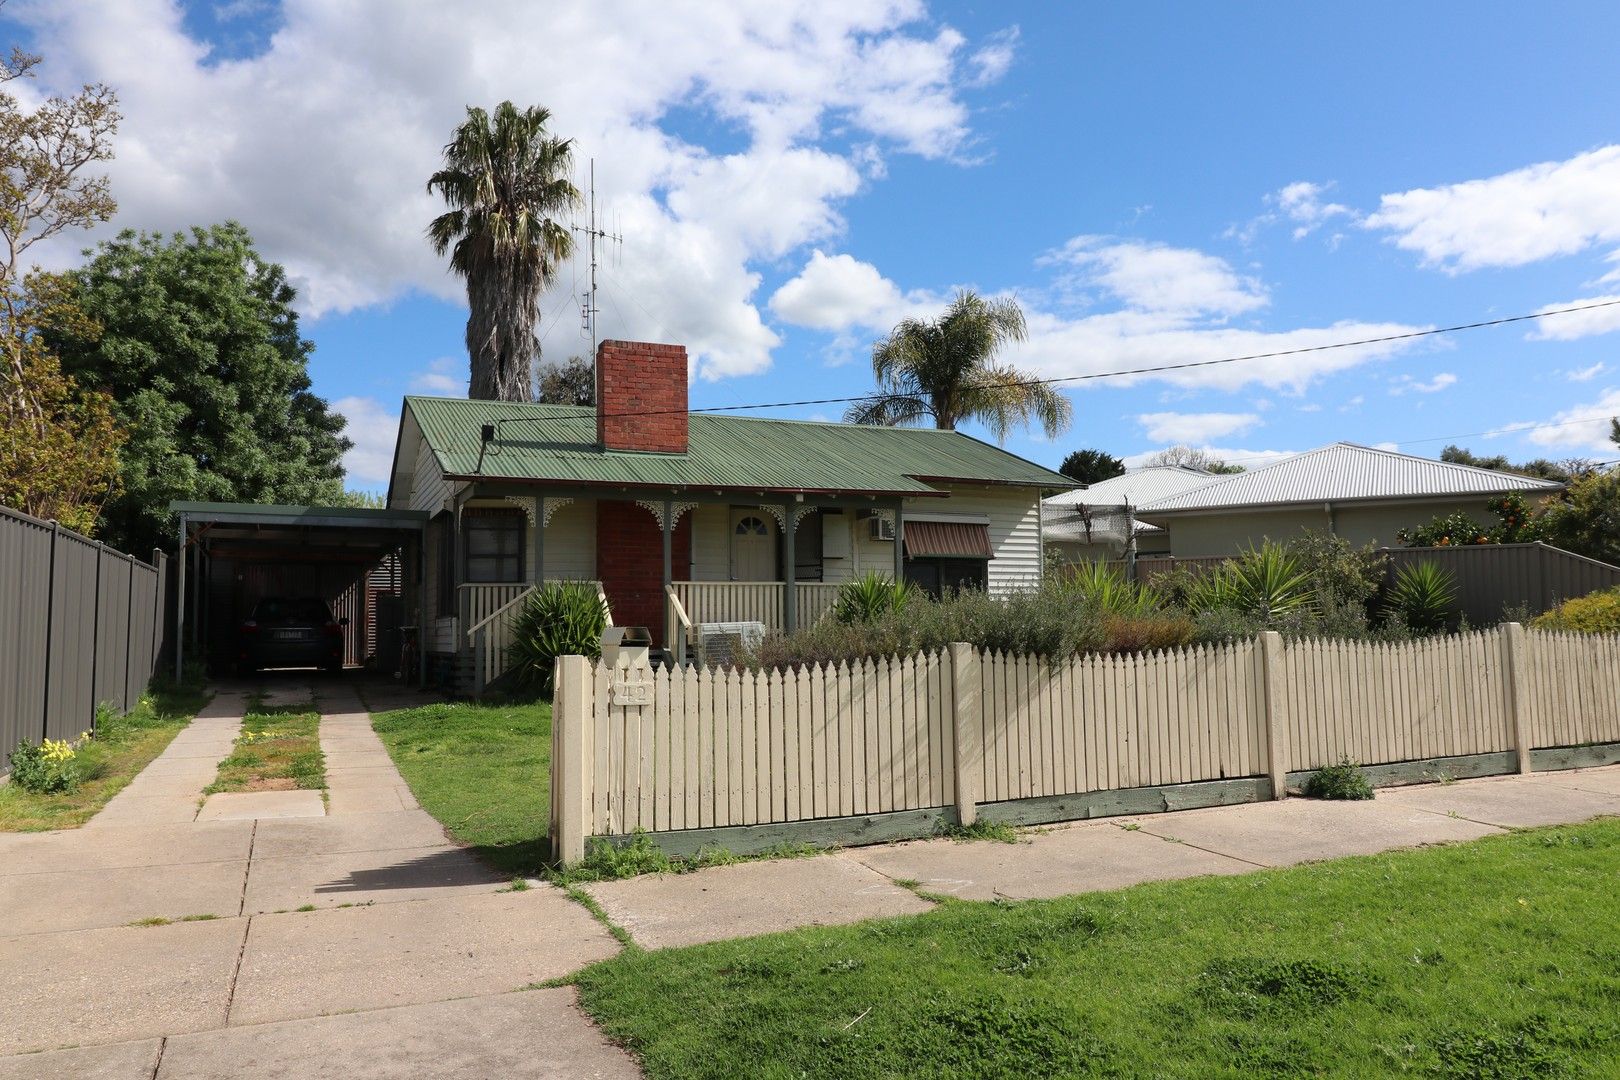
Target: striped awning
(947, 539)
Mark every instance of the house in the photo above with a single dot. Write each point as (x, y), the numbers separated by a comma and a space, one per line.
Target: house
(1362, 494)
(685, 518)
(1099, 521)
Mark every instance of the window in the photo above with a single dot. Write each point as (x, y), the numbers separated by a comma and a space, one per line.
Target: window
(936, 576)
(751, 526)
(493, 541)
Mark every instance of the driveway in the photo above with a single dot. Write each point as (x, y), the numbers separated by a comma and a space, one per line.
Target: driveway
(278, 936)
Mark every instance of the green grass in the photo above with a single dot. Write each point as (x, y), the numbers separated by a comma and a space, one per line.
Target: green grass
(1498, 958)
(123, 746)
(279, 750)
(484, 771)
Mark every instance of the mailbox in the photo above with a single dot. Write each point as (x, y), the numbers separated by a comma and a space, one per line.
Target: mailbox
(626, 645)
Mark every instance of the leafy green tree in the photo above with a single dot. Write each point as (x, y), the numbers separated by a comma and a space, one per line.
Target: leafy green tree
(573, 383)
(1091, 466)
(505, 178)
(1542, 468)
(1586, 520)
(1516, 523)
(199, 347)
(945, 371)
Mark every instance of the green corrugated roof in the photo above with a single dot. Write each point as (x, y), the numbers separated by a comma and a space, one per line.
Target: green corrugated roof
(558, 443)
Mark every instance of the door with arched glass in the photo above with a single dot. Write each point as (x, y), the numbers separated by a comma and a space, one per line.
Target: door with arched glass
(753, 546)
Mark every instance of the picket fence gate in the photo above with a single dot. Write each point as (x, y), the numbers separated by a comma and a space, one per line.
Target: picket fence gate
(683, 751)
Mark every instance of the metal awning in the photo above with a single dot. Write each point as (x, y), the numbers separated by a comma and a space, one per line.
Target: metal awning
(947, 539)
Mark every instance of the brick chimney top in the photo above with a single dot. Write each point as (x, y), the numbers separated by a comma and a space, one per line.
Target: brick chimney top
(641, 397)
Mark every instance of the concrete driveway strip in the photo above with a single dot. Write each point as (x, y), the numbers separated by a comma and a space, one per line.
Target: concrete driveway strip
(102, 986)
(137, 845)
(86, 899)
(1077, 859)
(122, 1061)
(538, 1033)
(366, 877)
(353, 832)
(1305, 830)
(314, 963)
(1507, 803)
(751, 898)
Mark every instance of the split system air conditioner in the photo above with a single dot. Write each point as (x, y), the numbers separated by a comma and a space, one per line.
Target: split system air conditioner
(881, 528)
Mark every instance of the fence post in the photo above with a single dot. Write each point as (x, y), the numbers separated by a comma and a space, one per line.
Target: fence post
(1516, 682)
(967, 707)
(572, 764)
(50, 629)
(1271, 665)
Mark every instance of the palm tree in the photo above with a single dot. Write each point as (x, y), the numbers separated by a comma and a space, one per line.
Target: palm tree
(946, 371)
(504, 178)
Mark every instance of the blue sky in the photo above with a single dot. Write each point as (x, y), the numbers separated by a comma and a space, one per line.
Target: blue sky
(1154, 183)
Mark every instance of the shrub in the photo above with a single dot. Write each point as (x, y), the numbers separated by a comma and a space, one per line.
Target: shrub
(1424, 596)
(1586, 520)
(870, 597)
(564, 618)
(1342, 781)
(47, 768)
(1265, 583)
(1596, 613)
(1450, 530)
(1105, 588)
(1342, 575)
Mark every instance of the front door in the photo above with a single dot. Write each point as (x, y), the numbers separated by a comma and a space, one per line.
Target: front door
(753, 546)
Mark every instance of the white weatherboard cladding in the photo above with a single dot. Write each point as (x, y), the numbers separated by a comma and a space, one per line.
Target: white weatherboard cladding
(570, 542)
(428, 487)
(1014, 519)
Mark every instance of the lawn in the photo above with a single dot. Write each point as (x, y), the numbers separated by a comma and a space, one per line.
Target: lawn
(279, 750)
(123, 746)
(1499, 958)
(484, 771)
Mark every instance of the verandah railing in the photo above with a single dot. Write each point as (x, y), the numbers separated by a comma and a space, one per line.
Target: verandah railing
(490, 638)
(753, 601)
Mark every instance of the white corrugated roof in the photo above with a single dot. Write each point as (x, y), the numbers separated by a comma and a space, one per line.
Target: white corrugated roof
(1136, 487)
(1345, 472)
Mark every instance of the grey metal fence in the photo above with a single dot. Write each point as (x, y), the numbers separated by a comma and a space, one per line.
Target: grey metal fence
(80, 625)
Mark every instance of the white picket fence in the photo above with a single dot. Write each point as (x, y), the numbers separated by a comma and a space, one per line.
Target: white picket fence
(635, 749)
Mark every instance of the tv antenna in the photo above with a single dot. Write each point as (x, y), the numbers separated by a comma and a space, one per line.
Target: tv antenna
(587, 305)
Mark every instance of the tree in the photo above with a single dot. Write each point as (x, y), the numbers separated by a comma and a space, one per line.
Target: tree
(58, 442)
(200, 350)
(1562, 471)
(1190, 458)
(504, 179)
(573, 383)
(945, 370)
(1091, 466)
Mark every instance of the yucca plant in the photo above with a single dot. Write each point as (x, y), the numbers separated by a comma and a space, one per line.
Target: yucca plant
(1106, 590)
(1424, 595)
(870, 597)
(560, 618)
(1269, 581)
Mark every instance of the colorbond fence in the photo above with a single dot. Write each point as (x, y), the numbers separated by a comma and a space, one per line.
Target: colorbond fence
(893, 747)
(80, 624)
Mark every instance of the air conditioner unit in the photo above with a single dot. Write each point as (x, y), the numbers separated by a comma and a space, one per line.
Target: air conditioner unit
(882, 528)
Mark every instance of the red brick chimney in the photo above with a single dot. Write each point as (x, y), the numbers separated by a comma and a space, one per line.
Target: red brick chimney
(641, 397)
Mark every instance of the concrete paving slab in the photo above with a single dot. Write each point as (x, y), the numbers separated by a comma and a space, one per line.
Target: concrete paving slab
(751, 898)
(241, 805)
(126, 809)
(366, 877)
(1076, 859)
(135, 845)
(171, 766)
(539, 1033)
(121, 1061)
(363, 776)
(1306, 830)
(189, 784)
(350, 760)
(371, 800)
(354, 832)
(1605, 780)
(314, 963)
(1507, 803)
(106, 986)
(86, 899)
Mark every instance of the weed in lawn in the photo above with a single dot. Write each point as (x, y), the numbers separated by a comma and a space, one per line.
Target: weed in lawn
(198, 918)
(981, 829)
(588, 902)
(1249, 986)
(152, 920)
(518, 884)
(1342, 781)
(1496, 1055)
(1132, 826)
(279, 749)
(305, 907)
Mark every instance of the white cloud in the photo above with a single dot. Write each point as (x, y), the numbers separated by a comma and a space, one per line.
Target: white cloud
(1587, 374)
(1157, 277)
(839, 293)
(1580, 428)
(1353, 403)
(1194, 428)
(1390, 446)
(1515, 218)
(446, 375)
(1404, 383)
(372, 429)
(1577, 324)
(1301, 204)
(819, 91)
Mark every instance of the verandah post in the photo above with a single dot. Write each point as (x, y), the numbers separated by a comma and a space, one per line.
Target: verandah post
(1515, 689)
(572, 761)
(966, 709)
(1271, 667)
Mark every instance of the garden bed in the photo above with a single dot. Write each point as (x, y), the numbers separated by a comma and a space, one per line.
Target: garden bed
(279, 749)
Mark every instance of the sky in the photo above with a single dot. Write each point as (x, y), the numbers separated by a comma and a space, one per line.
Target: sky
(1153, 183)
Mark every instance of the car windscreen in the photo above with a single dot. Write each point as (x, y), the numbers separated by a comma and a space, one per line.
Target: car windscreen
(301, 610)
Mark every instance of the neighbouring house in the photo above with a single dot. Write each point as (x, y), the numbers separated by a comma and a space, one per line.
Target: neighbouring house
(687, 518)
(1362, 494)
(1099, 521)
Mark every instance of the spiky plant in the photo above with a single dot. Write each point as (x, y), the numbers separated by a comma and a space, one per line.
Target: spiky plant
(560, 618)
(1107, 591)
(1424, 595)
(870, 597)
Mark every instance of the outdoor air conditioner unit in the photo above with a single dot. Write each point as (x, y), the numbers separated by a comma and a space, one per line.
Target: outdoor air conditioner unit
(882, 528)
(719, 644)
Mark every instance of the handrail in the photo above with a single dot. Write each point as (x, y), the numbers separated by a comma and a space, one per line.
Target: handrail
(607, 608)
(492, 616)
(679, 611)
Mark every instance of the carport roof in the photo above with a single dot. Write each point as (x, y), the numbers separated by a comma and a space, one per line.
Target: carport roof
(273, 514)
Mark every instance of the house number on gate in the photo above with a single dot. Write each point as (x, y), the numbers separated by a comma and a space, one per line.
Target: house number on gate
(629, 689)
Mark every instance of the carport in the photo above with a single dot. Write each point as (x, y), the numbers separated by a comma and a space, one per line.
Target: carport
(366, 564)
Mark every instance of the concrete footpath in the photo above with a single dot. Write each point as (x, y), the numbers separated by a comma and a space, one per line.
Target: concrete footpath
(283, 938)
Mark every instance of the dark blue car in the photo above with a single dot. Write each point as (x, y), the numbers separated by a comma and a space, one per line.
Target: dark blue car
(291, 632)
